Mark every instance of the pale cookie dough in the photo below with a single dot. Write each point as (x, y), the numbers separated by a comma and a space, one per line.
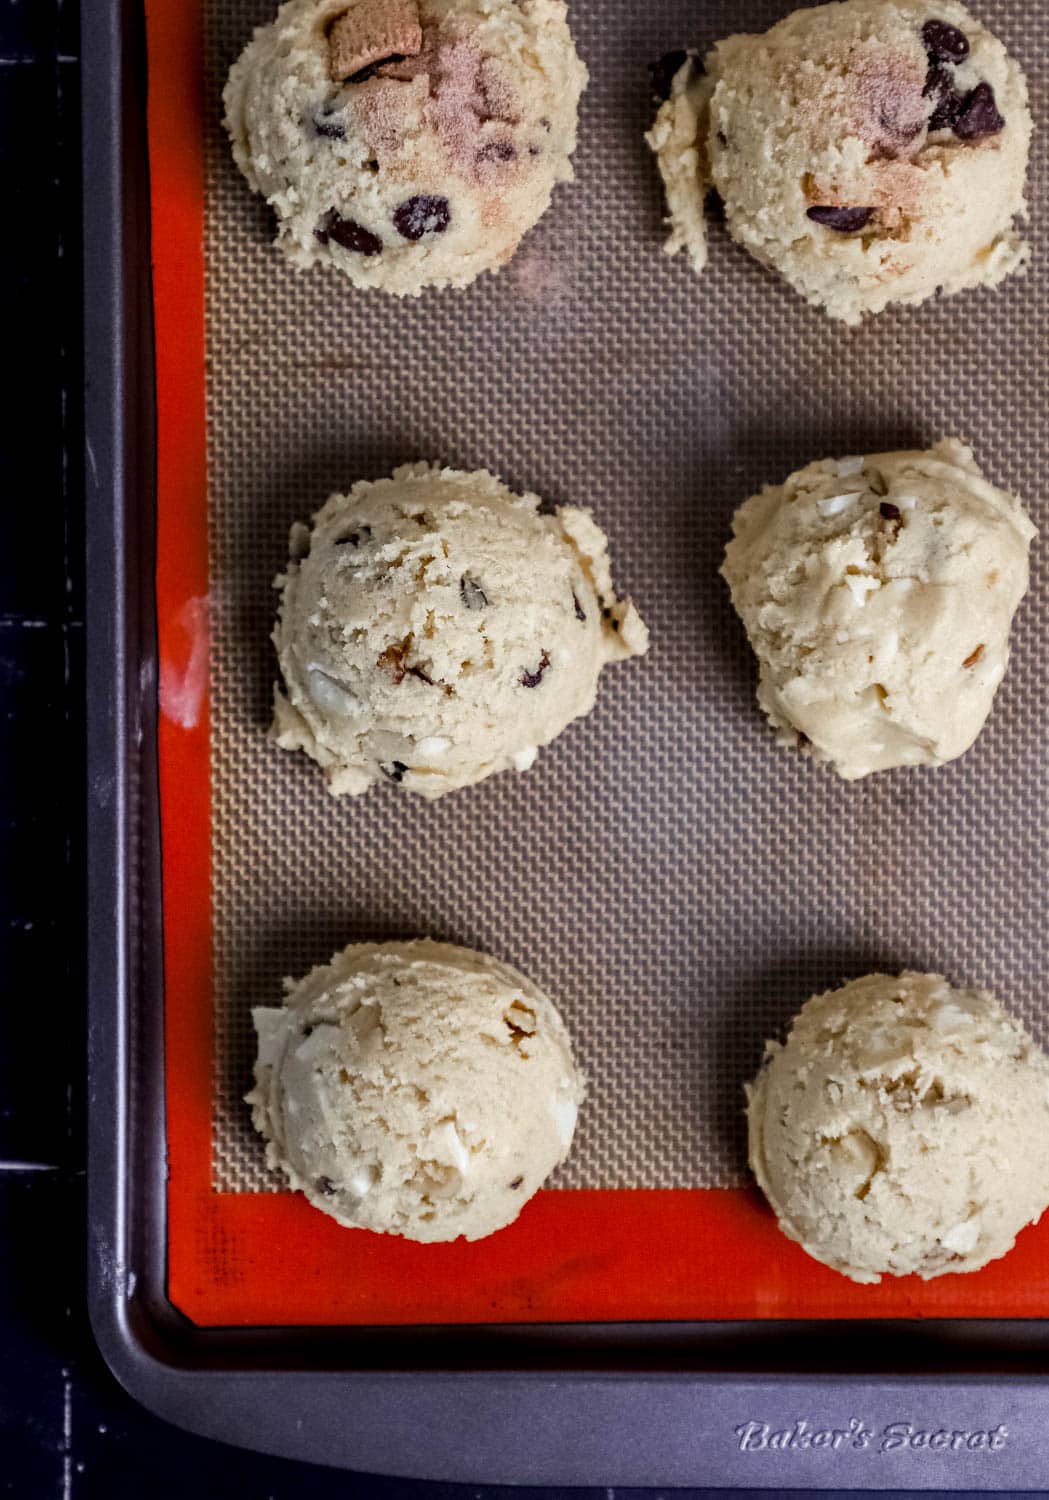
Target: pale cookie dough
(415, 1089)
(878, 595)
(410, 143)
(436, 628)
(871, 152)
(903, 1128)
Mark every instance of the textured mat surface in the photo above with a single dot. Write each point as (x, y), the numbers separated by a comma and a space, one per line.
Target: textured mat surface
(673, 879)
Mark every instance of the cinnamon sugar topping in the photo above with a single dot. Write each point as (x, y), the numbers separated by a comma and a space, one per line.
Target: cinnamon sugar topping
(890, 93)
(470, 102)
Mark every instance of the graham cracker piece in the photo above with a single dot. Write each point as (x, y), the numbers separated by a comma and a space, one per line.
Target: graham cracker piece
(370, 31)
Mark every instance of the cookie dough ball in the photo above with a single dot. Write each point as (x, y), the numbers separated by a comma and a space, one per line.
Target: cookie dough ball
(878, 595)
(903, 1128)
(410, 143)
(436, 628)
(415, 1089)
(871, 152)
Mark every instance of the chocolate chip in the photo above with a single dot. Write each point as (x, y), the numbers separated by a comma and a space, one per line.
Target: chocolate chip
(902, 129)
(471, 593)
(331, 128)
(606, 614)
(939, 84)
(363, 74)
(580, 612)
(978, 115)
(945, 42)
(664, 71)
(422, 215)
(395, 770)
(497, 151)
(837, 217)
(348, 233)
(325, 1186)
(802, 741)
(945, 113)
(888, 511)
(353, 539)
(533, 679)
(517, 1182)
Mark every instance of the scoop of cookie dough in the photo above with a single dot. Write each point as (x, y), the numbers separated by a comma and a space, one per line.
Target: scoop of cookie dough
(410, 143)
(436, 628)
(878, 594)
(871, 152)
(902, 1128)
(415, 1089)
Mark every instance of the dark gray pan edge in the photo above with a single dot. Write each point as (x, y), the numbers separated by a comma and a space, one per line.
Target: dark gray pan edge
(614, 1404)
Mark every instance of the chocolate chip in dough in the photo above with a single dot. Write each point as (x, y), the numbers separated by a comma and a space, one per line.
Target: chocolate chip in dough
(423, 214)
(939, 85)
(665, 70)
(533, 679)
(329, 126)
(978, 116)
(839, 218)
(348, 233)
(944, 42)
(497, 151)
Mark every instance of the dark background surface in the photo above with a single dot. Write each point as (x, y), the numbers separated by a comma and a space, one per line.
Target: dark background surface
(66, 1427)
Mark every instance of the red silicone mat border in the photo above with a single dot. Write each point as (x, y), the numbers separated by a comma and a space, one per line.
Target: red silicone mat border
(268, 1258)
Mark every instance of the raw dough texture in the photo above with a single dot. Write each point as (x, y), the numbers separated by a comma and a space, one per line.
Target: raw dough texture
(872, 151)
(436, 628)
(903, 1127)
(410, 143)
(878, 595)
(415, 1089)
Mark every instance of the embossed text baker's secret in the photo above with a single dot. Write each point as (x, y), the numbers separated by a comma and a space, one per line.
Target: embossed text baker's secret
(758, 1437)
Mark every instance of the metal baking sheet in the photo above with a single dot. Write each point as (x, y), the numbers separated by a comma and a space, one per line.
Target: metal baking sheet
(677, 883)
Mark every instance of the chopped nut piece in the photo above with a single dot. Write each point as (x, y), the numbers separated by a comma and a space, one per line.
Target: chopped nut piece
(834, 504)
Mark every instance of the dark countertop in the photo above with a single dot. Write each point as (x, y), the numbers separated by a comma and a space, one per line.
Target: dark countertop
(66, 1427)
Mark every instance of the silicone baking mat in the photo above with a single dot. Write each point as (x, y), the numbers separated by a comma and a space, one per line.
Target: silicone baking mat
(674, 880)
